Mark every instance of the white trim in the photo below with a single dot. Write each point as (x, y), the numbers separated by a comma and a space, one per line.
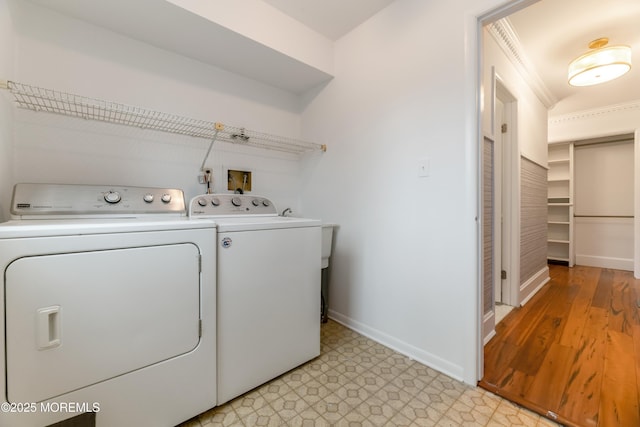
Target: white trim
(636, 209)
(474, 21)
(472, 364)
(489, 337)
(406, 349)
(595, 112)
(488, 326)
(529, 288)
(531, 159)
(605, 262)
(508, 41)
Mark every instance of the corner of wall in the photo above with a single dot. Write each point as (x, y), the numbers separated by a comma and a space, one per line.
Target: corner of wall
(6, 110)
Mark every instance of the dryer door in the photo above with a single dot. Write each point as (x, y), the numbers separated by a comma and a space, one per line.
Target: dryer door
(76, 319)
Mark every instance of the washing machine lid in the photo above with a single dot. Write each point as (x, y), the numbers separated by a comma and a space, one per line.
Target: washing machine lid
(243, 212)
(263, 223)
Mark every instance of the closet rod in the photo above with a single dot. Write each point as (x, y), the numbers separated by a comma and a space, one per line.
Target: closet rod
(621, 139)
(603, 216)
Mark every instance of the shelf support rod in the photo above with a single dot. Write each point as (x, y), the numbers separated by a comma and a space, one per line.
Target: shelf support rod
(218, 127)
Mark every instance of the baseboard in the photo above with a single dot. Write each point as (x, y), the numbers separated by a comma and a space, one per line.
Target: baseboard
(529, 288)
(488, 326)
(412, 352)
(605, 262)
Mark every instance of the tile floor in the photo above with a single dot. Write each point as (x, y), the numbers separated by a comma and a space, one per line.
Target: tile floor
(501, 311)
(358, 382)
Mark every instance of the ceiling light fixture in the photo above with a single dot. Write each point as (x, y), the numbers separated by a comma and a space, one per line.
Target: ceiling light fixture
(602, 64)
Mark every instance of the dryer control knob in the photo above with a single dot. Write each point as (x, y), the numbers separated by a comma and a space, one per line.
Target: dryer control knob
(202, 201)
(236, 201)
(255, 202)
(166, 198)
(112, 197)
(266, 202)
(215, 201)
(148, 198)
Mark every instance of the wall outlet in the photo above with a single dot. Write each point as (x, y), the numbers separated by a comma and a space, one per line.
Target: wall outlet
(205, 176)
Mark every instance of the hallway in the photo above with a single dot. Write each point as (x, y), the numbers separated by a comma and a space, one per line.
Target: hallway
(573, 352)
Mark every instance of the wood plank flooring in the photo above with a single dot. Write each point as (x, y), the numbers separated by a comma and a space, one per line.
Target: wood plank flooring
(573, 352)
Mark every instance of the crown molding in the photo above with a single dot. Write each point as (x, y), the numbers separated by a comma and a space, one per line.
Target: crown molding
(507, 39)
(596, 112)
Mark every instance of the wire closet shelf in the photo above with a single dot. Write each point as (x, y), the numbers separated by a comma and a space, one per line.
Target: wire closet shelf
(57, 102)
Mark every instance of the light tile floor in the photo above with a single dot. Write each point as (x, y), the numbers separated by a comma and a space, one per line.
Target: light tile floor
(501, 311)
(358, 382)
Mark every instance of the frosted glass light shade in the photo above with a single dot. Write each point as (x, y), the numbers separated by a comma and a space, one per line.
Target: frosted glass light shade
(600, 65)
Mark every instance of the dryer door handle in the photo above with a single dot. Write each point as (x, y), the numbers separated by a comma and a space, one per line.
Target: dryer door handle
(48, 327)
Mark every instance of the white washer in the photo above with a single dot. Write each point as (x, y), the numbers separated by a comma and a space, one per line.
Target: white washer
(107, 307)
(268, 290)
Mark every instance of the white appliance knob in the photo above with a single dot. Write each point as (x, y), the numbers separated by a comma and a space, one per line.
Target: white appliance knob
(215, 201)
(202, 201)
(266, 202)
(112, 197)
(255, 202)
(236, 201)
(148, 198)
(166, 198)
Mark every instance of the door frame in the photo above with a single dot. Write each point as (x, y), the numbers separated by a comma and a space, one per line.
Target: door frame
(475, 55)
(510, 201)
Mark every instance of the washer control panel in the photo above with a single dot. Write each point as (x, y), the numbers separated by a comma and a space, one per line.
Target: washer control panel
(230, 205)
(54, 200)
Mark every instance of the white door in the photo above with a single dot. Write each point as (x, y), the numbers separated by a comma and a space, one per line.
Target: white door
(76, 319)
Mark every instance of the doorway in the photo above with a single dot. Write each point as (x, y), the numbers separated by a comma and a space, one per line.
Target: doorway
(501, 237)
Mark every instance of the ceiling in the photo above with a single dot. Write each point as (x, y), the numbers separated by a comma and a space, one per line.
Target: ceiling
(551, 34)
(331, 18)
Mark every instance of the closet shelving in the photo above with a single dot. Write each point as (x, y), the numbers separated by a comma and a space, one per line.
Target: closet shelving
(560, 204)
(52, 101)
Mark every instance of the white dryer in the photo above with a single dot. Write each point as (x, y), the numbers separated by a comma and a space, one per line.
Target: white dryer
(268, 289)
(107, 307)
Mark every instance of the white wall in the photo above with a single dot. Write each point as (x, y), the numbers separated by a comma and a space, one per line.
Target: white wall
(603, 179)
(54, 51)
(603, 190)
(604, 242)
(6, 110)
(405, 267)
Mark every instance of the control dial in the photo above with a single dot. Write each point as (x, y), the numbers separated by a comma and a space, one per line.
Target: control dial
(112, 197)
(202, 201)
(265, 202)
(166, 198)
(255, 202)
(215, 201)
(236, 201)
(148, 198)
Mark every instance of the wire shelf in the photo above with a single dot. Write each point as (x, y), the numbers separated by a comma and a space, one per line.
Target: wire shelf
(57, 102)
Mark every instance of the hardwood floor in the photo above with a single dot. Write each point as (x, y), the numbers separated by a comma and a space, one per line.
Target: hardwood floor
(573, 352)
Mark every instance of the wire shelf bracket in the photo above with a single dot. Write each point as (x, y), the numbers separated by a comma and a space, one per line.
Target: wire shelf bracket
(52, 101)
